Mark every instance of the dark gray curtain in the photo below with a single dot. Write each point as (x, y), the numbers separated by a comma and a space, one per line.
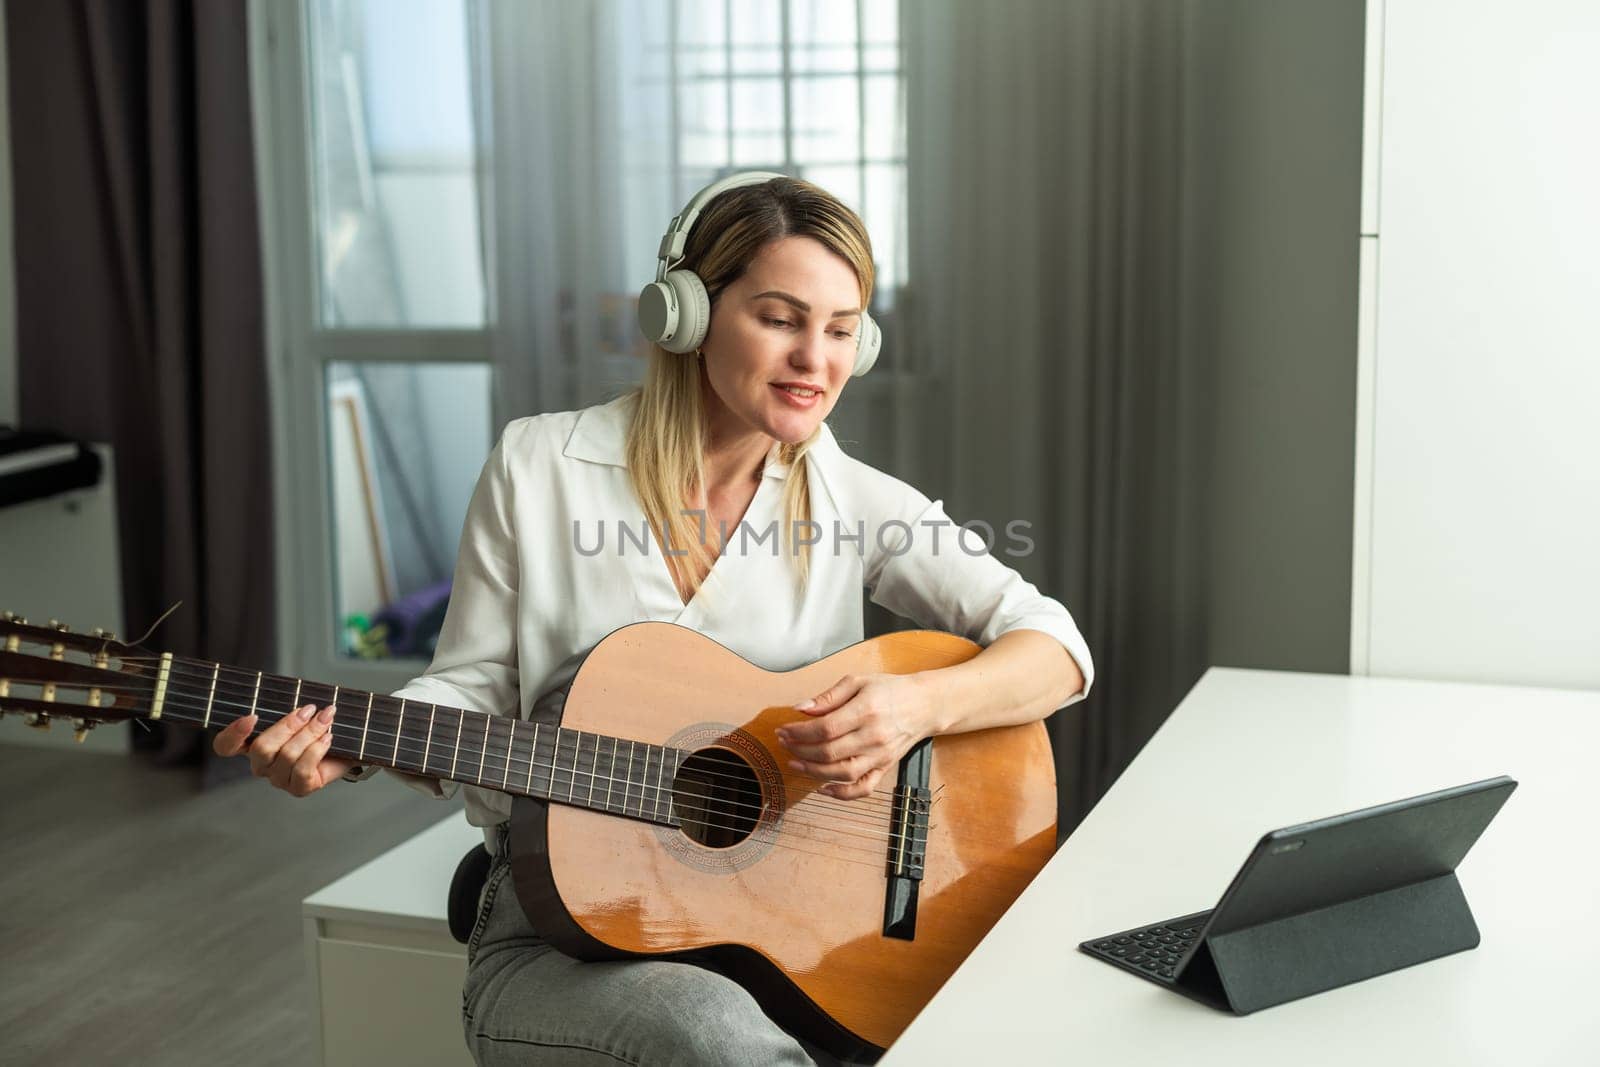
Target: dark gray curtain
(139, 306)
(1048, 153)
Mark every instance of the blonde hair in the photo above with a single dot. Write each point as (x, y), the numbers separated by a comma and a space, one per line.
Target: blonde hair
(667, 432)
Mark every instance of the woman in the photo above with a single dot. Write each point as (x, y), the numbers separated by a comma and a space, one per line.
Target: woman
(723, 445)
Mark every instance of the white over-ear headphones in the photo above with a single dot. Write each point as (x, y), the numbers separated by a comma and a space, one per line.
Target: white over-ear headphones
(674, 311)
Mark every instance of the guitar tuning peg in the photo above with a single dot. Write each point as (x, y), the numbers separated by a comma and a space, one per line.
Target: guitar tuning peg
(37, 719)
(57, 624)
(6, 616)
(81, 728)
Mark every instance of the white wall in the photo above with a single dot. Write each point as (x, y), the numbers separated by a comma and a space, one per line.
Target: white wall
(1484, 508)
(8, 288)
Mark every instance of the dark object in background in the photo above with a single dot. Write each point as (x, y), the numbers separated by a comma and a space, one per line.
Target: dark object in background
(412, 623)
(39, 463)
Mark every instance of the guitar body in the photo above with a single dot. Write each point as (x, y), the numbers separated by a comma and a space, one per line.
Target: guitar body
(790, 900)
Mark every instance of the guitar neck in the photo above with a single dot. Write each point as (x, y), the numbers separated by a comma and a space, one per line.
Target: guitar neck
(594, 771)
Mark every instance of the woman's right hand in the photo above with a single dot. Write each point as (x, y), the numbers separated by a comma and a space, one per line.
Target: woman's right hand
(292, 753)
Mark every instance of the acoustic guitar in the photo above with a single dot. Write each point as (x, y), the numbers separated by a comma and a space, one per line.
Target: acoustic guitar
(653, 812)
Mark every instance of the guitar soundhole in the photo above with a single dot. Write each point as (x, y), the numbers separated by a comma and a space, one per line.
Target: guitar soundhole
(716, 798)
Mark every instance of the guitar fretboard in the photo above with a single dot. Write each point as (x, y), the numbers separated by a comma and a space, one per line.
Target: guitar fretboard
(589, 770)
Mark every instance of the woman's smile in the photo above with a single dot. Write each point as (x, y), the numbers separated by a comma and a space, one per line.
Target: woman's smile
(801, 398)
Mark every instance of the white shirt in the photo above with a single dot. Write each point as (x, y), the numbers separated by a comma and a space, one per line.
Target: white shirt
(545, 570)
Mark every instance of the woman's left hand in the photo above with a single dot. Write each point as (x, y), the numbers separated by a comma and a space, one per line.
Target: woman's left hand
(860, 728)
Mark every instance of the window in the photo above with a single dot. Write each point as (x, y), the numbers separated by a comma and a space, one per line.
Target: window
(812, 88)
(393, 135)
(395, 162)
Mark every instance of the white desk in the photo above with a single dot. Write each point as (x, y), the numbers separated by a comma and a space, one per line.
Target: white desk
(385, 973)
(1247, 752)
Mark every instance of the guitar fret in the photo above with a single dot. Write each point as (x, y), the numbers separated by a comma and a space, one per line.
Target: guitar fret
(427, 742)
(399, 725)
(533, 755)
(362, 753)
(572, 775)
(593, 766)
(655, 800)
(611, 771)
(511, 745)
(460, 718)
(295, 703)
(644, 782)
(671, 793)
(655, 805)
(254, 697)
(629, 781)
(211, 696)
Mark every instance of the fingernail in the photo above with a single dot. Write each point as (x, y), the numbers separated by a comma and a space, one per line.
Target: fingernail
(326, 715)
(804, 704)
(796, 765)
(305, 712)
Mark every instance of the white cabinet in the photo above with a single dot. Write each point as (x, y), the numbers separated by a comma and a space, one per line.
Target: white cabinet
(1478, 476)
(385, 973)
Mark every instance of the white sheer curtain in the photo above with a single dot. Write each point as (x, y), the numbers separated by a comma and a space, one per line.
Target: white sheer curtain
(599, 118)
(555, 235)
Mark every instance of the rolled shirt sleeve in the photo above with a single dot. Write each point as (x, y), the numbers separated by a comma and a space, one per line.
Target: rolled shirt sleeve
(929, 569)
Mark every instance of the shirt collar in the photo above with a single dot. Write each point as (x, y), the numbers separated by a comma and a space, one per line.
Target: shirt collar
(601, 432)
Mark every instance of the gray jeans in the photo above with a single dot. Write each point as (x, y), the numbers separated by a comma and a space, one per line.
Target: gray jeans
(526, 1003)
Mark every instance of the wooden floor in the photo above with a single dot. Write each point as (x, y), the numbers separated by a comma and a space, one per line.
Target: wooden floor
(144, 922)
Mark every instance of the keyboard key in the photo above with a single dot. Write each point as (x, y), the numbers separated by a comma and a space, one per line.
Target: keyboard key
(1151, 965)
(1119, 951)
(1138, 957)
(1165, 972)
(1121, 940)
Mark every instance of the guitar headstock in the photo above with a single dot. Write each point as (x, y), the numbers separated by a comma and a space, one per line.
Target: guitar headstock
(48, 672)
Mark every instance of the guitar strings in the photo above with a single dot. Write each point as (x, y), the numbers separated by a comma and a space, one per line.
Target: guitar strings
(470, 746)
(246, 680)
(879, 796)
(719, 807)
(239, 679)
(862, 819)
(789, 828)
(277, 685)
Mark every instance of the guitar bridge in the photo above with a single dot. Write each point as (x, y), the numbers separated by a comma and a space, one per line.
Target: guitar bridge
(908, 842)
